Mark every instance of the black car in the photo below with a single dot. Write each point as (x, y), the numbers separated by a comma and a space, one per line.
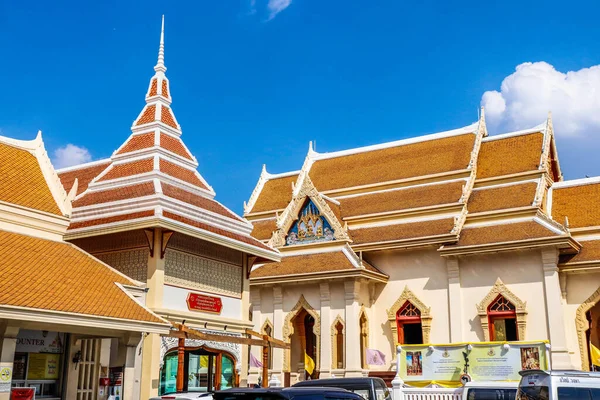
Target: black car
(293, 393)
(368, 388)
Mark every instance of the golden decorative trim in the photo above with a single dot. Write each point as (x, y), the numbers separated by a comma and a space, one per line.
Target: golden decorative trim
(408, 295)
(364, 336)
(582, 325)
(520, 307)
(288, 331)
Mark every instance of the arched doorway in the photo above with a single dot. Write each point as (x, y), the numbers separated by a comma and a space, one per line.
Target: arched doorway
(408, 322)
(587, 321)
(304, 340)
(204, 370)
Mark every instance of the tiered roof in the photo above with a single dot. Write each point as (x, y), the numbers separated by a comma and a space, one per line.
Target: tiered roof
(43, 276)
(461, 191)
(152, 180)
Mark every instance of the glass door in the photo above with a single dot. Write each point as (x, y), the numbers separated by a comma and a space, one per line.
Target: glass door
(200, 372)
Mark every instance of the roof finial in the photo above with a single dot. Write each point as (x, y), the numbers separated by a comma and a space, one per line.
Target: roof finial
(160, 65)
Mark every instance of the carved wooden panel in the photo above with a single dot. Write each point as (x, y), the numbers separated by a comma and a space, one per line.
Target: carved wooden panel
(116, 241)
(133, 263)
(195, 272)
(203, 248)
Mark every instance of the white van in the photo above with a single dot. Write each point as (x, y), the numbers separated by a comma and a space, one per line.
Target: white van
(559, 385)
(490, 391)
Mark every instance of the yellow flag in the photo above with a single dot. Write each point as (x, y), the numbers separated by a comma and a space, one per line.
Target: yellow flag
(203, 361)
(309, 363)
(595, 355)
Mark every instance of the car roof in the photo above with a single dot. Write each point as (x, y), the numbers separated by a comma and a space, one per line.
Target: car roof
(560, 372)
(286, 390)
(492, 384)
(338, 381)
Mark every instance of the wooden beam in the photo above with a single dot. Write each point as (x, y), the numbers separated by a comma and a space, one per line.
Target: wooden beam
(191, 333)
(265, 368)
(180, 361)
(274, 342)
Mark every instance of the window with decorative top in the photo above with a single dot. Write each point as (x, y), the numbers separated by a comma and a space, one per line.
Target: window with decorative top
(502, 314)
(408, 321)
(502, 317)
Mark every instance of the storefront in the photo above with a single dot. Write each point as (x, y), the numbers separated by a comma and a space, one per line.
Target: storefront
(38, 362)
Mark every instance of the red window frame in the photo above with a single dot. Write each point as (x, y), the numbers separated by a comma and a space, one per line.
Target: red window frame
(494, 315)
(401, 320)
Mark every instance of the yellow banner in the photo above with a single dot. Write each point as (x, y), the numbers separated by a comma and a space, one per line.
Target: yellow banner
(491, 361)
(43, 366)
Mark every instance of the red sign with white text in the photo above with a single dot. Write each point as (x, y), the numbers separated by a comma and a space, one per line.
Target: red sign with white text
(201, 302)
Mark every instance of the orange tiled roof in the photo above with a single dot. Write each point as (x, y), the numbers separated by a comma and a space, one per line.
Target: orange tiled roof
(394, 163)
(165, 89)
(590, 251)
(129, 169)
(22, 181)
(83, 175)
(198, 201)
(309, 264)
(181, 173)
(108, 220)
(138, 142)
(403, 199)
(174, 145)
(263, 229)
(167, 118)
(501, 198)
(510, 155)
(510, 232)
(275, 194)
(122, 193)
(240, 238)
(153, 88)
(148, 115)
(411, 230)
(579, 203)
(44, 274)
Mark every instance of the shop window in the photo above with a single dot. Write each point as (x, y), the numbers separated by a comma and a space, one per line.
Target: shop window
(502, 317)
(408, 321)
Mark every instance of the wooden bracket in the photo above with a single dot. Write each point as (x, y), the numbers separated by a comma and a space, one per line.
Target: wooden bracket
(150, 237)
(166, 236)
(249, 264)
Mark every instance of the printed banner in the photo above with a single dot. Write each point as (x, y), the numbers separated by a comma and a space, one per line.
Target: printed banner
(43, 366)
(483, 362)
(39, 342)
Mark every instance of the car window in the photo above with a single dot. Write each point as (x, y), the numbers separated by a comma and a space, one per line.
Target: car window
(491, 394)
(533, 393)
(572, 393)
(381, 391)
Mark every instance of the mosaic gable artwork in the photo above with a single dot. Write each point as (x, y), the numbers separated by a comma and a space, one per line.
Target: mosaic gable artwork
(310, 227)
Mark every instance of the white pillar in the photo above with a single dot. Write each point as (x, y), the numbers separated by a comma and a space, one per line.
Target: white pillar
(7, 355)
(352, 337)
(277, 378)
(454, 300)
(397, 382)
(256, 351)
(326, 345)
(129, 372)
(554, 311)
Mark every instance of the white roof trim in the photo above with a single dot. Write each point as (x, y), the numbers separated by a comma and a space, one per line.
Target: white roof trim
(535, 180)
(541, 128)
(576, 182)
(85, 165)
(403, 221)
(417, 139)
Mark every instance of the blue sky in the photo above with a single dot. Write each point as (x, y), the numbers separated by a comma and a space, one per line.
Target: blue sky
(251, 85)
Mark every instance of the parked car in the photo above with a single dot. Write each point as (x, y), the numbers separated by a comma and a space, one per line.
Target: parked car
(490, 391)
(558, 385)
(368, 388)
(185, 396)
(293, 393)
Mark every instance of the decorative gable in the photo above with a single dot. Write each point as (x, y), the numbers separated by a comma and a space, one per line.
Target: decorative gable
(311, 226)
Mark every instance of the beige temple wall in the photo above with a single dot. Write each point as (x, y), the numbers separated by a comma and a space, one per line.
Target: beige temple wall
(521, 272)
(579, 288)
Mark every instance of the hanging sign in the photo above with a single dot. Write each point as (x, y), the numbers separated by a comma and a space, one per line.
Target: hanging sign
(6, 370)
(22, 394)
(29, 341)
(201, 302)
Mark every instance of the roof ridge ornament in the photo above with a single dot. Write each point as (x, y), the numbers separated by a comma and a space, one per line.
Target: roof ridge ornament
(160, 64)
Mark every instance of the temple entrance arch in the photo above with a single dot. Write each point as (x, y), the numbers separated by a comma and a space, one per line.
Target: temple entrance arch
(302, 329)
(587, 322)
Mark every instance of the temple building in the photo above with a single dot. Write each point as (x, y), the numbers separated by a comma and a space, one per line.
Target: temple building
(446, 238)
(147, 212)
(67, 320)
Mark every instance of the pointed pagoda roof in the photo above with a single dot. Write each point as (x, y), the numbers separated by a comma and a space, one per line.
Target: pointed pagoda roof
(152, 180)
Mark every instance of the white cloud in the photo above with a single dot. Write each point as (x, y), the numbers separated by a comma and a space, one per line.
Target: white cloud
(526, 96)
(277, 6)
(69, 155)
